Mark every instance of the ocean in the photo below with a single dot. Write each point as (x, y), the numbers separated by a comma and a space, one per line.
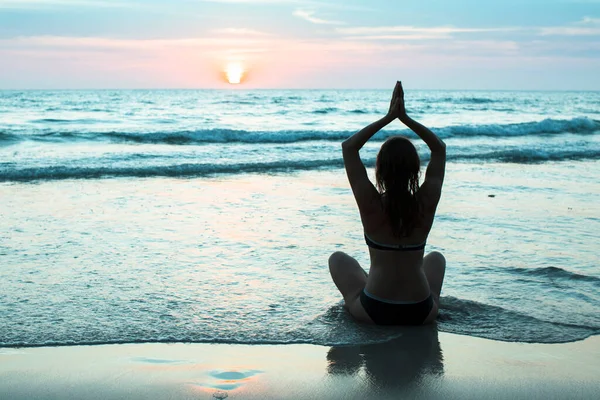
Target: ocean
(208, 215)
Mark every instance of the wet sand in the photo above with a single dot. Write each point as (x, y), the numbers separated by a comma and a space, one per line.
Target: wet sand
(421, 364)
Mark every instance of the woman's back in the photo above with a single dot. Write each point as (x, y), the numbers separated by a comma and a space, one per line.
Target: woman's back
(397, 274)
(403, 285)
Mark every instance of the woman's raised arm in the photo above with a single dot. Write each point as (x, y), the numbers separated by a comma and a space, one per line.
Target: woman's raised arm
(358, 140)
(434, 143)
(436, 169)
(366, 195)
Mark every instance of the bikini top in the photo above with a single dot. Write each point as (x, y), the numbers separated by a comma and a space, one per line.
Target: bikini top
(393, 247)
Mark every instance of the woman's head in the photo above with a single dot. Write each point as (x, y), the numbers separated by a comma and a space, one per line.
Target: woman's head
(397, 174)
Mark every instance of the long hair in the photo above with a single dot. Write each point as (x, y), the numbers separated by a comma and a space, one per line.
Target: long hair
(397, 173)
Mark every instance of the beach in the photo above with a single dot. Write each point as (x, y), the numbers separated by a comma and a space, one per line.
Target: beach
(174, 244)
(445, 367)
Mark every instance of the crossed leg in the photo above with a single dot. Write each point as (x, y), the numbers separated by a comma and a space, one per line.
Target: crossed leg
(350, 279)
(434, 265)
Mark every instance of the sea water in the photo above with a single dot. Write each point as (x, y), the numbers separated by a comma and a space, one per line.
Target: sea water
(209, 215)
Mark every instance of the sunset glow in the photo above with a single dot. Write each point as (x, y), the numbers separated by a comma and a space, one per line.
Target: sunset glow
(299, 44)
(234, 73)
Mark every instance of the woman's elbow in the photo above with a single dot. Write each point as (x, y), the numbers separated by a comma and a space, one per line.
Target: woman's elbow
(441, 147)
(347, 145)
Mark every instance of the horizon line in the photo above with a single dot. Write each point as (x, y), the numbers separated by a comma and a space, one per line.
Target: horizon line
(292, 88)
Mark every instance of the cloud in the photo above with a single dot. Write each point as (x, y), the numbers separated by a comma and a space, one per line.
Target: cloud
(404, 32)
(309, 16)
(29, 4)
(441, 31)
(228, 45)
(275, 61)
(587, 26)
(496, 47)
(252, 1)
(399, 37)
(101, 43)
(240, 32)
(569, 31)
(590, 21)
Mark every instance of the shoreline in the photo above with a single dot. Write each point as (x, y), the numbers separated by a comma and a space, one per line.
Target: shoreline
(265, 343)
(423, 363)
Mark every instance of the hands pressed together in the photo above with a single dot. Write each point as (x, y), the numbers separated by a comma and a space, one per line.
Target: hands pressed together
(397, 109)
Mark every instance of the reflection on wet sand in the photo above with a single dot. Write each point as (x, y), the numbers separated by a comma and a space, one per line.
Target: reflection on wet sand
(401, 363)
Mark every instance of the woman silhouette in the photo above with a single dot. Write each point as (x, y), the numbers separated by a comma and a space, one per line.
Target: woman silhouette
(403, 286)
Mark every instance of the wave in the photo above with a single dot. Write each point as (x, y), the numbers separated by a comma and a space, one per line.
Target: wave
(7, 138)
(581, 126)
(183, 339)
(66, 121)
(326, 110)
(472, 318)
(179, 170)
(187, 170)
(552, 273)
(50, 120)
(235, 102)
(469, 100)
(333, 327)
(285, 99)
(545, 127)
(208, 136)
(529, 156)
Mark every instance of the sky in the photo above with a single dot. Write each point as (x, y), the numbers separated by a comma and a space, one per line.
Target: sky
(427, 44)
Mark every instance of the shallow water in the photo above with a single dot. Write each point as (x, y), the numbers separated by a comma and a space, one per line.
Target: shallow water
(243, 259)
(120, 230)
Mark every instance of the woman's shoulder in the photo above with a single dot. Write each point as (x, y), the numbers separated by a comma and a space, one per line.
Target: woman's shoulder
(428, 197)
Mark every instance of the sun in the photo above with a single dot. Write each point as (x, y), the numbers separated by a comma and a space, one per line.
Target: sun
(234, 73)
